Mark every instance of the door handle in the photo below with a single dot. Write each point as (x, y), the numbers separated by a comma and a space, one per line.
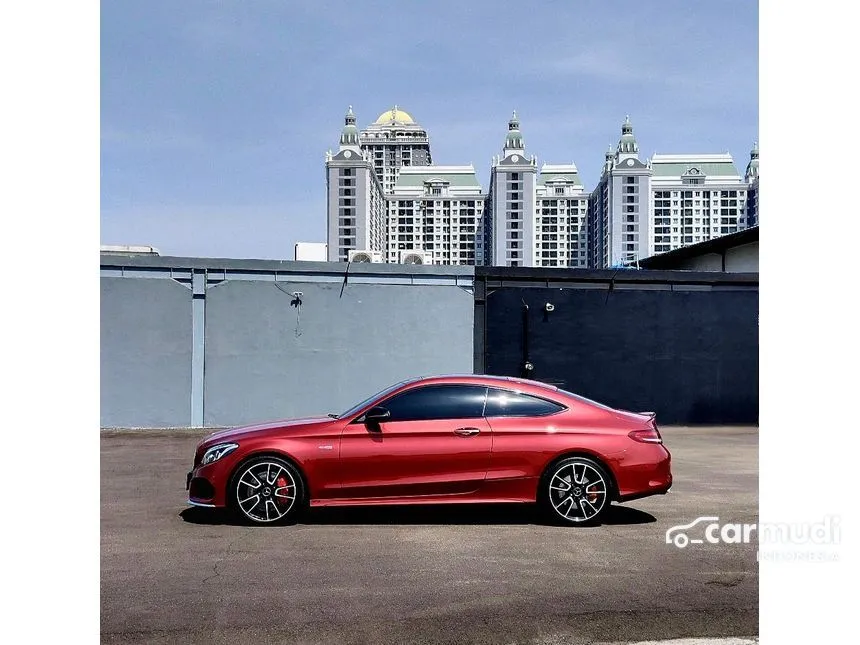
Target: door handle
(467, 432)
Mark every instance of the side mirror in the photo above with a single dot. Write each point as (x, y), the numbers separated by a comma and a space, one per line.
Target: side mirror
(376, 415)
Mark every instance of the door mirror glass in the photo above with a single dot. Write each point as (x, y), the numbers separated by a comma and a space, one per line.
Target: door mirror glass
(376, 414)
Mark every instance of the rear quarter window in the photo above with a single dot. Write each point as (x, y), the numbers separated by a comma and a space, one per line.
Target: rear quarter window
(505, 403)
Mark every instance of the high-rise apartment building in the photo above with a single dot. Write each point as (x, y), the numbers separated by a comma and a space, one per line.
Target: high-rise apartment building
(387, 202)
(751, 178)
(393, 141)
(507, 233)
(695, 198)
(618, 220)
(532, 219)
(361, 174)
(433, 215)
(560, 221)
(639, 209)
(356, 203)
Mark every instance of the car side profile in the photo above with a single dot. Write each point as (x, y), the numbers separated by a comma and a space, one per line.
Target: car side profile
(441, 439)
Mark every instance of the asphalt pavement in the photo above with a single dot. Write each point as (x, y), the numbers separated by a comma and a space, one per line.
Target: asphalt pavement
(455, 574)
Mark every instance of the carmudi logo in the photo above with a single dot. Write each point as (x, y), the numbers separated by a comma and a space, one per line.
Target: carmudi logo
(709, 529)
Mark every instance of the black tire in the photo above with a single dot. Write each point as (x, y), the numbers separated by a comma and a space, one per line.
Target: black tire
(575, 491)
(281, 492)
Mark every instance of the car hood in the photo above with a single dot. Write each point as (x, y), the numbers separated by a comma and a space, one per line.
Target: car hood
(261, 428)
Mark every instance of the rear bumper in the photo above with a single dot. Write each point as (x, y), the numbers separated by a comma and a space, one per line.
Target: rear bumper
(660, 490)
(646, 470)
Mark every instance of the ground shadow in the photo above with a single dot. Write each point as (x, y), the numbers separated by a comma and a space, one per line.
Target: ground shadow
(451, 514)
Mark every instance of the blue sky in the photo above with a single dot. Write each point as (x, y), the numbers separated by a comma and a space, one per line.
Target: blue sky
(215, 116)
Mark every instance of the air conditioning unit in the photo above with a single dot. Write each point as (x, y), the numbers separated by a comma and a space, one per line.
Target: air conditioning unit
(416, 257)
(365, 256)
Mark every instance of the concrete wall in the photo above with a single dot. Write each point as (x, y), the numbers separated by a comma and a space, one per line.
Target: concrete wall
(742, 258)
(269, 357)
(738, 259)
(145, 352)
(239, 348)
(682, 344)
(213, 342)
(705, 262)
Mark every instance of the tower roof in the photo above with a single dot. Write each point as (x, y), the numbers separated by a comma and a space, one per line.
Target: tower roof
(752, 166)
(514, 138)
(553, 173)
(349, 133)
(394, 116)
(712, 165)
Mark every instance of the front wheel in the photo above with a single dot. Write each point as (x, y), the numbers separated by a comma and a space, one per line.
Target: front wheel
(267, 490)
(576, 491)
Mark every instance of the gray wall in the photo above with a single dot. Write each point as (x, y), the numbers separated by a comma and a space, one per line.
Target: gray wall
(246, 352)
(145, 352)
(739, 259)
(268, 358)
(742, 258)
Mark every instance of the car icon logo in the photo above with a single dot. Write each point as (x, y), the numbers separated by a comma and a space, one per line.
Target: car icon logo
(677, 534)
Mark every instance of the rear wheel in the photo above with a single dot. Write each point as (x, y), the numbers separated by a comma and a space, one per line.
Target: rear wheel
(576, 491)
(267, 490)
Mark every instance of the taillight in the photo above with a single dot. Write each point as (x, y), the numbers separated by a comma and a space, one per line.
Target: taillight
(649, 435)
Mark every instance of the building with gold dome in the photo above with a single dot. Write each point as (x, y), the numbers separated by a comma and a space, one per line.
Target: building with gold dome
(387, 202)
(392, 141)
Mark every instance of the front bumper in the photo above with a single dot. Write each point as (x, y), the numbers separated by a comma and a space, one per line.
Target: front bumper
(207, 485)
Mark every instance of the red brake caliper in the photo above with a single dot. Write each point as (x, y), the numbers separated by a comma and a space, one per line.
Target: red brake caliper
(591, 495)
(280, 483)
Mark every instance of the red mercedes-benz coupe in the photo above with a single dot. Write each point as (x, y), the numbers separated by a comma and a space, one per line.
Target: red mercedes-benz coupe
(443, 439)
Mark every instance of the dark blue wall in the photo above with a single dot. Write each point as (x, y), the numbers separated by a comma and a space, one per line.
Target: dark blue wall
(682, 344)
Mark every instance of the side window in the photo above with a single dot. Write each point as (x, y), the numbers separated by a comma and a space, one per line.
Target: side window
(437, 402)
(504, 403)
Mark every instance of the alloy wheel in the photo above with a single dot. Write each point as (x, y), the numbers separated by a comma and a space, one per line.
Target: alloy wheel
(266, 491)
(578, 491)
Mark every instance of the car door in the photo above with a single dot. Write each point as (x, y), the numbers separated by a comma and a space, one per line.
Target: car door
(435, 442)
(524, 431)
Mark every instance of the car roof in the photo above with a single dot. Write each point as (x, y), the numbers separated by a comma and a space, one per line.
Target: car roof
(483, 378)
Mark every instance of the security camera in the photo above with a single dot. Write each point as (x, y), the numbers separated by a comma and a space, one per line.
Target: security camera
(297, 294)
(549, 307)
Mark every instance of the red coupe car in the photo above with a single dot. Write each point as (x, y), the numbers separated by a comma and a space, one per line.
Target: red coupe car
(443, 439)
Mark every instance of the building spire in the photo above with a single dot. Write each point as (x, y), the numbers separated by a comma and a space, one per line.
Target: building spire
(514, 140)
(627, 146)
(752, 166)
(349, 134)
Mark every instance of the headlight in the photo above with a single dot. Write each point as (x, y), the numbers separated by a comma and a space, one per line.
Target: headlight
(216, 452)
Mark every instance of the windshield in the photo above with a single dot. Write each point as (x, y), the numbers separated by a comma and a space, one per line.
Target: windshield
(370, 399)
